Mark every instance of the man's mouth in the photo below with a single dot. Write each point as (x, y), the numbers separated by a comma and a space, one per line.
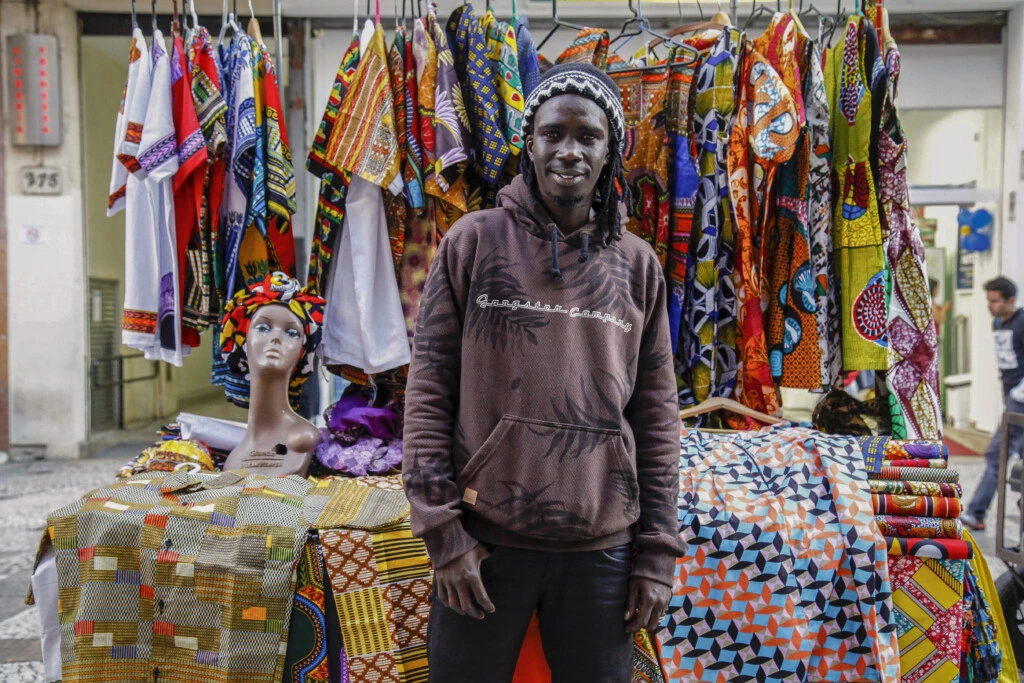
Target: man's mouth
(568, 178)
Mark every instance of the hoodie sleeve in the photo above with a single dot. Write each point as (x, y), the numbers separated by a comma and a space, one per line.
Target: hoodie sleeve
(653, 414)
(432, 393)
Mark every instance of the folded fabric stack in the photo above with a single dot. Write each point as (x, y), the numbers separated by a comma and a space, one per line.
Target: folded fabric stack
(944, 621)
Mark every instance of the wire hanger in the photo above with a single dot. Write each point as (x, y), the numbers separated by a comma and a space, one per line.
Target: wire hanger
(154, 16)
(759, 11)
(558, 23)
(135, 23)
(635, 19)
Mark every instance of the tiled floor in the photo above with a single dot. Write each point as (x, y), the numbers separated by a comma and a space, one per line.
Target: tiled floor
(30, 490)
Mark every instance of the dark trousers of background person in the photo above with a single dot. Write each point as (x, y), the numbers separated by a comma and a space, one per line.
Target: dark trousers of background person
(580, 599)
(989, 485)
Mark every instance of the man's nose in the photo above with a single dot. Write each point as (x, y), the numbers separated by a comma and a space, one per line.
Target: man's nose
(569, 149)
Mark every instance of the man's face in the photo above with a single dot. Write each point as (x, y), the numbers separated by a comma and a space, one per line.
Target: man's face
(998, 306)
(569, 148)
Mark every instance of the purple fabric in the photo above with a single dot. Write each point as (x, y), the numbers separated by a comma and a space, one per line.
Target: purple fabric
(351, 414)
(365, 455)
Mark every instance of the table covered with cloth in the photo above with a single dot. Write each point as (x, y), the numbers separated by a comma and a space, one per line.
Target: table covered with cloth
(785, 577)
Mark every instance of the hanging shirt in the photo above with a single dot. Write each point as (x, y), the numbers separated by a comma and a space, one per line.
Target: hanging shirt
(280, 172)
(141, 276)
(364, 326)
(158, 156)
(189, 183)
(454, 144)
(857, 234)
(529, 67)
(504, 54)
(412, 156)
(118, 171)
(425, 54)
(243, 134)
(709, 351)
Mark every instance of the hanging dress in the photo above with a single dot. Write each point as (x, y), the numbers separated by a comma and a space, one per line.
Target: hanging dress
(364, 326)
(425, 55)
(857, 231)
(504, 55)
(141, 276)
(791, 321)
(398, 208)
(280, 172)
(529, 66)
(913, 375)
(763, 137)
(708, 350)
(158, 156)
(117, 193)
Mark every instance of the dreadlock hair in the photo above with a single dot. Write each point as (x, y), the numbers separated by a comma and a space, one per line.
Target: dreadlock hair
(610, 190)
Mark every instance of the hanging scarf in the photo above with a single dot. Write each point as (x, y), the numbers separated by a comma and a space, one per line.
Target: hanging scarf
(709, 352)
(913, 376)
(857, 236)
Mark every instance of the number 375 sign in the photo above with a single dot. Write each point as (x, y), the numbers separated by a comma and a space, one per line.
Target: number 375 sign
(41, 180)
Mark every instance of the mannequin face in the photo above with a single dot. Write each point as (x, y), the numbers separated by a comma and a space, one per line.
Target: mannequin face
(275, 341)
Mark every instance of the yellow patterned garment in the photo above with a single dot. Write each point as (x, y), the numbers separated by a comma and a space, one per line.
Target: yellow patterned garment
(857, 236)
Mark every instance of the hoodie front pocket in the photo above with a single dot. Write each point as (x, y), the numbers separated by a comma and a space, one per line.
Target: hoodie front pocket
(552, 481)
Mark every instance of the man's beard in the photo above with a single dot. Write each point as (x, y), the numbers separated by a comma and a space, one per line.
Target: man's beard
(570, 202)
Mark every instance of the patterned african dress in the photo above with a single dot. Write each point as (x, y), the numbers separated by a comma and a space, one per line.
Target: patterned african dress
(504, 55)
(857, 231)
(763, 136)
(708, 352)
(794, 353)
(589, 47)
(913, 375)
(425, 54)
(646, 153)
(280, 173)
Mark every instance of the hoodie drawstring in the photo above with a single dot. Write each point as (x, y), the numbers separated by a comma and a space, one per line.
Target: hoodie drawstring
(585, 251)
(556, 272)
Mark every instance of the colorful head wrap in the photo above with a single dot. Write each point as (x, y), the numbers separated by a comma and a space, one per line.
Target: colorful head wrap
(276, 288)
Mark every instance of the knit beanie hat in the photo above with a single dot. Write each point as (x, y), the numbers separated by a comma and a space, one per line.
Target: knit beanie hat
(584, 80)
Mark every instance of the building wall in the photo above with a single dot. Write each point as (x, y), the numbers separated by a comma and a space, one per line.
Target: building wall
(46, 281)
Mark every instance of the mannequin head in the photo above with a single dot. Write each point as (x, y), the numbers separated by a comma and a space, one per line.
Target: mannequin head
(275, 343)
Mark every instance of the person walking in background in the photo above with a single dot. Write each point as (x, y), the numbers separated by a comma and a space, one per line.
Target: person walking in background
(1008, 328)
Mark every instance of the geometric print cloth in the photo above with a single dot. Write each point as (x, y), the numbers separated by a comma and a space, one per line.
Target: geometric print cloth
(929, 616)
(785, 577)
(192, 577)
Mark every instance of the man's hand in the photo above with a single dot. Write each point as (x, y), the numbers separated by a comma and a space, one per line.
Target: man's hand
(647, 603)
(460, 588)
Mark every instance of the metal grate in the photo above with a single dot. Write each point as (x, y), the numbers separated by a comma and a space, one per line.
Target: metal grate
(105, 388)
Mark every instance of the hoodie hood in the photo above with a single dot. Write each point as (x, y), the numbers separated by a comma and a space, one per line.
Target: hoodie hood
(533, 217)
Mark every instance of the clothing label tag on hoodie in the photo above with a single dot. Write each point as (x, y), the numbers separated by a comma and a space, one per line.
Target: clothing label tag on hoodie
(469, 497)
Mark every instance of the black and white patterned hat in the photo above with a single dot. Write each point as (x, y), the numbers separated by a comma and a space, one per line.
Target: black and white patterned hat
(584, 80)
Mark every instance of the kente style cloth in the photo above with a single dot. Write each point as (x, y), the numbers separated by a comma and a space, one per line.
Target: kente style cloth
(785, 577)
(276, 289)
(708, 351)
(180, 578)
(913, 374)
(307, 660)
(933, 548)
(928, 607)
(857, 236)
(916, 506)
(381, 580)
(583, 80)
(168, 455)
(945, 476)
(916, 488)
(919, 527)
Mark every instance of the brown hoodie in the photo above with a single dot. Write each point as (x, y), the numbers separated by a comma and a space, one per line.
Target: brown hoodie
(542, 414)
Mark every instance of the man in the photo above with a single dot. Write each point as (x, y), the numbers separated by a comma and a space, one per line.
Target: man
(542, 424)
(1008, 328)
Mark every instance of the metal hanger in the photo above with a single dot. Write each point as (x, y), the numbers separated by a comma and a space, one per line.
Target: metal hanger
(135, 23)
(635, 19)
(558, 23)
(759, 11)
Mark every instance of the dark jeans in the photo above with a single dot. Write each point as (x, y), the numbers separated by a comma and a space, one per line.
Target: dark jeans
(990, 480)
(580, 599)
